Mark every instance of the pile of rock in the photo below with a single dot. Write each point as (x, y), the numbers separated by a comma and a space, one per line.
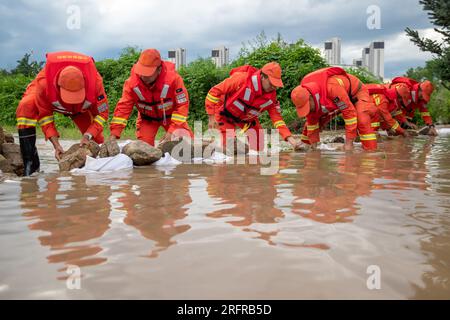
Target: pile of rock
(10, 156)
(177, 149)
(75, 157)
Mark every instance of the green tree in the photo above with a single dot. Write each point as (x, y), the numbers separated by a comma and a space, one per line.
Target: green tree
(439, 14)
(26, 67)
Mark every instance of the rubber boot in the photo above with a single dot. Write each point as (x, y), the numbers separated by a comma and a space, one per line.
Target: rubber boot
(30, 157)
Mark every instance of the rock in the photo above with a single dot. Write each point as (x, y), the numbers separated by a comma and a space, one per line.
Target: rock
(177, 148)
(109, 149)
(2, 136)
(9, 138)
(5, 165)
(11, 152)
(424, 131)
(413, 133)
(169, 145)
(75, 157)
(338, 140)
(142, 153)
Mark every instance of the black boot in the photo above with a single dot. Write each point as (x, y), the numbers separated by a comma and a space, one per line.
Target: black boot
(27, 138)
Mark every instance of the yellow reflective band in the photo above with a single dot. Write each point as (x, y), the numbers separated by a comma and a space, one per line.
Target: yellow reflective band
(117, 120)
(397, 113)
(313, 127)
(425, 114)
(375, 124)
(377, 99)
(212, 98)
(100, 120)
(279, 123)
(395, 126)
(340, 82)
(26, 122)
(367, 137)
(46, 120)
(303, 137)
(178, 117)
(352, 121)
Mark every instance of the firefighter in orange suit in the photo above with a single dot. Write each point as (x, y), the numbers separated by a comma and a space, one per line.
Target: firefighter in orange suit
(390, 116)
(421, 94)
(327, 92)
(239, 100)
(71, 85)
(159, 94)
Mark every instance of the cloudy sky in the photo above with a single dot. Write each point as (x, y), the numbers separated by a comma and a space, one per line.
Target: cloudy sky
(106, 26)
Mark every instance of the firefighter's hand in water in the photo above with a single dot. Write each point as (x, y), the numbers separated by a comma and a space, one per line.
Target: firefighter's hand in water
(433, 132)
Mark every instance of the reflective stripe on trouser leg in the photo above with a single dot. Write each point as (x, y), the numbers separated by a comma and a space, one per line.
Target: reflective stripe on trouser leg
(366, 133)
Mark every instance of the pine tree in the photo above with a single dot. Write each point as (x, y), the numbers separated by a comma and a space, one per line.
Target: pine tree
(439, 14)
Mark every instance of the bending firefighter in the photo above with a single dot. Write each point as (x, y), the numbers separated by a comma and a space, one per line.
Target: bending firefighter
(71, 85)
(421, 94)
(326, 93)
(239, 100)
(389, 102)
(159, 94)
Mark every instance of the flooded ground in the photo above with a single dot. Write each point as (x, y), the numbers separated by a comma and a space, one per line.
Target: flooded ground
(314, 230)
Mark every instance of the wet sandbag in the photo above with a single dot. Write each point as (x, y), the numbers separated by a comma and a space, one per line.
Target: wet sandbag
(108, 164)
(444, 131)
(109, 149)
(75, 157)
(142, 153)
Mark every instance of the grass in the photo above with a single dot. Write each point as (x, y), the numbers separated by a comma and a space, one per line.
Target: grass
(68, 133)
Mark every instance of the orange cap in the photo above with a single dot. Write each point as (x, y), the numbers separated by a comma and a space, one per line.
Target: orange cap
(273, 71)
(71, 85)
(300, 98)
(404, 93)
(427, 89)
(149, 61)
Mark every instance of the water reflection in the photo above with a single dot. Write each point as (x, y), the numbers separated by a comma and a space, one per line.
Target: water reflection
(155, 209)
(328, 213)
(70, 214)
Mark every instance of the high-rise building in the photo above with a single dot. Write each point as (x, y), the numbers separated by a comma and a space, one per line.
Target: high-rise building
(220, 56)
(365, 58)
(376, 58)
(333, 51)
(178, 57)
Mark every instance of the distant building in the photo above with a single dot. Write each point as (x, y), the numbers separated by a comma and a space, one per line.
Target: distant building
(333, 51)
(178, 57)
(366, 58)
(372, 59)
(376, 58)
(220, 56)
(358, 63)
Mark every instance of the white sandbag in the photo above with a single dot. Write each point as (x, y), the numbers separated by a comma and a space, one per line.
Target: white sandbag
(326, 147)
(167, 161)
(443, 131)
(119, 162)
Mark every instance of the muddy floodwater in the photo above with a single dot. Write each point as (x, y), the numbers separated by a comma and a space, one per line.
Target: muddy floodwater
(327, 225)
